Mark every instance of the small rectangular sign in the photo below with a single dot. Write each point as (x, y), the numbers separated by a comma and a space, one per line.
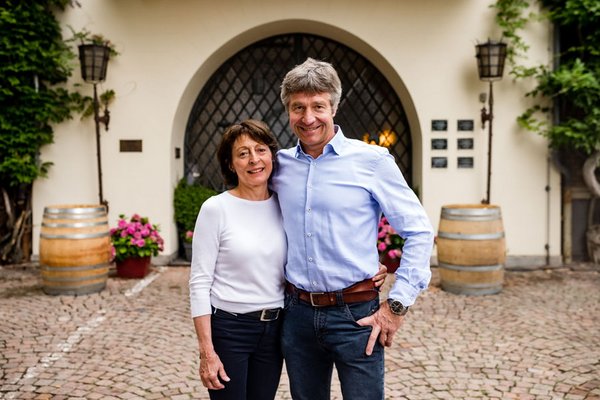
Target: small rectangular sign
(465, 162)
(130, 146)
(439, 124)
(439, 144)
(464, 143)
(439, 162)
(464, 125)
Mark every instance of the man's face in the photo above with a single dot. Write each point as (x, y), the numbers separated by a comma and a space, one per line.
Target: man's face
(311, 119)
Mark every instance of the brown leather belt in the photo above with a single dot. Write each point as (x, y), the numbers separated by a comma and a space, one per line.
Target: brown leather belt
(357, 293)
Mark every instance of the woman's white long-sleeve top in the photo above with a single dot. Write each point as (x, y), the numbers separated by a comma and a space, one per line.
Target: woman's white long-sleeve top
(238, 256)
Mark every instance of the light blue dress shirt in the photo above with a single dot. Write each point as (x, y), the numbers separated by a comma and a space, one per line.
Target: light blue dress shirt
(331, 207)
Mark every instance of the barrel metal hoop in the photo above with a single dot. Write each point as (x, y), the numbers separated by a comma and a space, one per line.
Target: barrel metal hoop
(75, 210)
(64, 268)
(474, 236)
(74, 225)
(472, 211)
(75, 235)
(75, 279)
(470, 268)
(75, 216)
(470, 218)
(475, 289)
(74, 289)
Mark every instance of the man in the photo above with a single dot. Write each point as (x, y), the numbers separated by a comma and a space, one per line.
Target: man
(332, 191)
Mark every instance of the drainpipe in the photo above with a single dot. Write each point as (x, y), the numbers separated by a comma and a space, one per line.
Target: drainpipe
(555, 119)
(548, 199)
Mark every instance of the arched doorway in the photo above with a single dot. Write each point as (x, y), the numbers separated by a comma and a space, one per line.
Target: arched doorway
(247, 86)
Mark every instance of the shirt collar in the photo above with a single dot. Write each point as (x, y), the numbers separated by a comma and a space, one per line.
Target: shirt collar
(335, 145)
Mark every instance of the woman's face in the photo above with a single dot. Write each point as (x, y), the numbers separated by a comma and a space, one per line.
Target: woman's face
(252, 162)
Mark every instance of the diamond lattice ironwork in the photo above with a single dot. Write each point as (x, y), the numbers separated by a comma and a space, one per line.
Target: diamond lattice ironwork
(247, 86)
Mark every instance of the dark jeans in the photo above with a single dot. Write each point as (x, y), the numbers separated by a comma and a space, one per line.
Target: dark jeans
(316, 338)
(250, 351)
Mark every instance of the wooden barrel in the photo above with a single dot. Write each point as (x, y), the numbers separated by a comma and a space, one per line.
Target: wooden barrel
(74, 249)
(471, 249)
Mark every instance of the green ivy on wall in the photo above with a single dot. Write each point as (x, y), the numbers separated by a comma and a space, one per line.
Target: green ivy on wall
(571, 87)
(33, 60)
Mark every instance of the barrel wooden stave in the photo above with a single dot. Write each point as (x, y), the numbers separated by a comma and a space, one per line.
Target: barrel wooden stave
(465, 252)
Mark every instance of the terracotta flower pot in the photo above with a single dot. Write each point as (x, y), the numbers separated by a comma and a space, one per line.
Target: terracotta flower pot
(188, 251)
(392, 264)
(134, 267)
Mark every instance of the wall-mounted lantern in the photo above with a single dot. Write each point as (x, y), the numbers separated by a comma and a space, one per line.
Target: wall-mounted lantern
(94, 61)
(490, 64)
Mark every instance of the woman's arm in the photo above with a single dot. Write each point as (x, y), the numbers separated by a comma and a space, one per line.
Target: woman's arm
(211, 367)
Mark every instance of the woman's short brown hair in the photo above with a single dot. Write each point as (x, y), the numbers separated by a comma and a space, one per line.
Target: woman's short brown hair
(257, 131)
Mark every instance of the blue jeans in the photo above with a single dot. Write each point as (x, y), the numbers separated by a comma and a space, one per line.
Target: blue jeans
(250, 351)
(315, 338)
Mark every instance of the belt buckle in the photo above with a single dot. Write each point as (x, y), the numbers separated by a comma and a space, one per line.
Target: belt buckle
(264, 317)
(312, 301)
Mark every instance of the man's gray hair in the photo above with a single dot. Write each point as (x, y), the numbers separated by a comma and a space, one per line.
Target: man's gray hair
(312, 76)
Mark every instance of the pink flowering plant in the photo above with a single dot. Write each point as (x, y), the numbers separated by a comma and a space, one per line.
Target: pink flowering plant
(389, 243)
(188, 237)
(135, 238)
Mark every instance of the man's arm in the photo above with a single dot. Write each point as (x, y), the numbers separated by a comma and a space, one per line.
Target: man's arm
(407, 216)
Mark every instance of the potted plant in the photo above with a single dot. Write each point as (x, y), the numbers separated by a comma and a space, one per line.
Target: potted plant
(134, 241)
(187, 202)
(187, 244)
(389, 245)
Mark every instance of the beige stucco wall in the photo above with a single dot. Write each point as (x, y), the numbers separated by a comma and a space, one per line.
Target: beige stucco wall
(169, 49)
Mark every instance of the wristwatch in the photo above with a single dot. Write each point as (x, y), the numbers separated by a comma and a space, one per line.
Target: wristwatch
(396, 307)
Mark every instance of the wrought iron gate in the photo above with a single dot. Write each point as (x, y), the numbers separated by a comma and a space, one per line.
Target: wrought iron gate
(247, 86)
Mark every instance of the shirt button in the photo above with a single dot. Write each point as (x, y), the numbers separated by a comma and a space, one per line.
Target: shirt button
(314, 283)
(310, 259)
(309, 234)
(308, 210)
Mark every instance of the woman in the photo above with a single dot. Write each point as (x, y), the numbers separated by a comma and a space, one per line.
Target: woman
(236, 279)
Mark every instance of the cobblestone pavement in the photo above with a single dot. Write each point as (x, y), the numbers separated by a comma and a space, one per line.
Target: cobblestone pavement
(538, 339)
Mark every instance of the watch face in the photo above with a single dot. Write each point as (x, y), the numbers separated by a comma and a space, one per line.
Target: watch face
(397, 307)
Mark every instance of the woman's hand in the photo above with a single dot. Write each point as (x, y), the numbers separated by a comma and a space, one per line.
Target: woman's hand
(211, 369)
(379, 279)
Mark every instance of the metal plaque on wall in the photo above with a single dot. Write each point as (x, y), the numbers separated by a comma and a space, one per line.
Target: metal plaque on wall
(464, 143)
(464, 125)
(465, 162)
(439, 162)
(439, 125)
(439, 144)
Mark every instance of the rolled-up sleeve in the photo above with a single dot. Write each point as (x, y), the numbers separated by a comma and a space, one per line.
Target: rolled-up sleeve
(407, 216)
